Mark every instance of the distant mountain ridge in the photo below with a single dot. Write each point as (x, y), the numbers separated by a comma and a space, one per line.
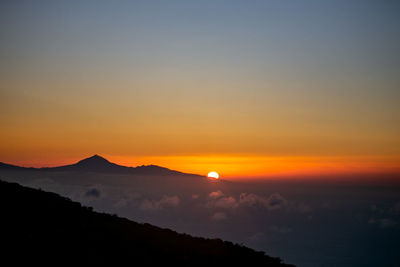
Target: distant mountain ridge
(99, 164)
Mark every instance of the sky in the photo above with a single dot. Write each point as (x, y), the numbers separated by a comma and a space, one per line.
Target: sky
(244, 88)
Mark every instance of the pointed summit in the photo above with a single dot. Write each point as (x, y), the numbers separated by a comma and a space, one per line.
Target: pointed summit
(96, 163)
(94, 160)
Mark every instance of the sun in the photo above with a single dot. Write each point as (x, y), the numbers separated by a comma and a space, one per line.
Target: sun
(213, 175)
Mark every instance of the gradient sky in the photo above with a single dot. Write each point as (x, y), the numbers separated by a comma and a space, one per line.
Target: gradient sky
(252, 88)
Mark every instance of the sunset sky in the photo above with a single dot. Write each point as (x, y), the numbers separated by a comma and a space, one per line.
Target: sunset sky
(244, 88)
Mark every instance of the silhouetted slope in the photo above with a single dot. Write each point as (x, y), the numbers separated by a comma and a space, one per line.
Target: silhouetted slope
(44, 228)
(99, 164)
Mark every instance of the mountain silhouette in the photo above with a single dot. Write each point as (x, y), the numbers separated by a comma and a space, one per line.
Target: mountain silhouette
(41, 228)
(97, 163)
(5, 166)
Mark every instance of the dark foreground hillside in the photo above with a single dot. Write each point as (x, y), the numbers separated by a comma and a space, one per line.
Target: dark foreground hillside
(44, 228)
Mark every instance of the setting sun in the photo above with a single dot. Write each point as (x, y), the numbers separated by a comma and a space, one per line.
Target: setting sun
(213, 175)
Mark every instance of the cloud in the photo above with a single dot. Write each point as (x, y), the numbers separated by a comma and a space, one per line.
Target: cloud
(216, 194)
(249, 199)
(218, 216)
(167, 201)
(225, 203)
(164, 202)
(219, 200)
(93, 192)
(127, 198)
(273, 202)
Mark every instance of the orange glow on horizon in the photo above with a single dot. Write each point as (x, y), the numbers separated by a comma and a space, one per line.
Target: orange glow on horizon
(252, 166)
(263, 166)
